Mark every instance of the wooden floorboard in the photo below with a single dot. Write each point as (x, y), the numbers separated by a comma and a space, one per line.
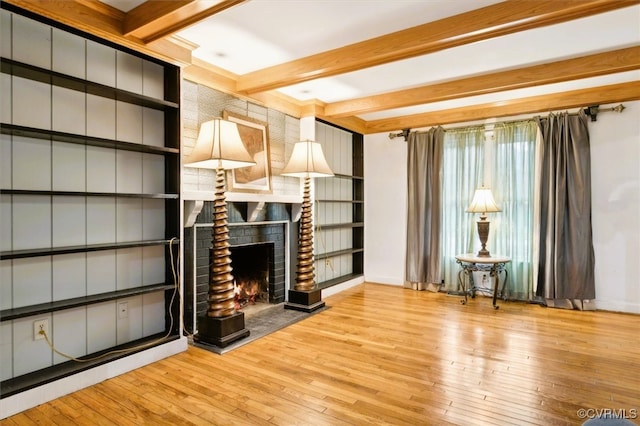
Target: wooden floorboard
(384, 355)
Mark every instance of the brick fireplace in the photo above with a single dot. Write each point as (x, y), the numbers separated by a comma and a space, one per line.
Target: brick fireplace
(261, 245)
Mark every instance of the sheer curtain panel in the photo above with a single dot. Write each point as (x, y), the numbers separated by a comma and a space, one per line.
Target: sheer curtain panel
(463, 161)
(513, 184)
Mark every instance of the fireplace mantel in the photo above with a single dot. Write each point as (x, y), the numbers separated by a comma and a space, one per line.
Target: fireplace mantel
(243, 197)
(194, 201)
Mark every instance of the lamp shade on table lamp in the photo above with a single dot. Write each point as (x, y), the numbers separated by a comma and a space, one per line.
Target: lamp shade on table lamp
(219, 146)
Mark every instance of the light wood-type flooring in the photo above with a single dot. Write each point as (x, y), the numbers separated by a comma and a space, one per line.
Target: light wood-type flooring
(386, 355)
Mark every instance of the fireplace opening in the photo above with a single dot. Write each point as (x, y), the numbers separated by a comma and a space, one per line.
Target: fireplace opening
(252, 270)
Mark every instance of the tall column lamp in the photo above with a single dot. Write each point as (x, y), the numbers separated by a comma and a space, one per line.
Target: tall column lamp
(307, 161)
(220, 147)
(483, 203)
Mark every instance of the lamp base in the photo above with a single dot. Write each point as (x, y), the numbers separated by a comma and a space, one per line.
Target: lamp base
(483, 234)
(484, 253)
(305, 301)
(221, 332)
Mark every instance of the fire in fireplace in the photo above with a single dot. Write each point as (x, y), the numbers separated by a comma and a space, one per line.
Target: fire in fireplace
(251, 268)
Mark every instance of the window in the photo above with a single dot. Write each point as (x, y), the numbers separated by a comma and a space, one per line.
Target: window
(501, 158)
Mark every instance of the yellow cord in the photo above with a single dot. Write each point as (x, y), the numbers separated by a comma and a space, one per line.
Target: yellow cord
(134, 348)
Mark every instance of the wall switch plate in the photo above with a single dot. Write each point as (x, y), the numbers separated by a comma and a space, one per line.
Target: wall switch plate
(40, 325)
(123, 310)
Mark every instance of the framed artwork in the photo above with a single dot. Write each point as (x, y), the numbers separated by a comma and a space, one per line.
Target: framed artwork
(255, 136)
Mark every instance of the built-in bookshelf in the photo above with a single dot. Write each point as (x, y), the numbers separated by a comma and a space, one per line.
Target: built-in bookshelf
(89, 200)
(339, 208)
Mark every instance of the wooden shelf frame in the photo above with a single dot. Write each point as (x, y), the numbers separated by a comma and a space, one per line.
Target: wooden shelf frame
(59, 305)
(355, 227)
(47, 375)
(163, 143)
(346, 225)
(52, 135)
(88, 194)
(343, 176)
(341, 201)
(34, 73)
(337, 253)
(23, 254)
(338, 280)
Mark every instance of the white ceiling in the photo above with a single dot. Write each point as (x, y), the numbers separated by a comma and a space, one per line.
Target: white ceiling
(261, 33)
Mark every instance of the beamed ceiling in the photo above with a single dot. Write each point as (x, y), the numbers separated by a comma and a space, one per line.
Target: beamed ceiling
(381, 66)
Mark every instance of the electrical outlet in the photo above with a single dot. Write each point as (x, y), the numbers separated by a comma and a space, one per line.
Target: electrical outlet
(40, 325)
(123, 310)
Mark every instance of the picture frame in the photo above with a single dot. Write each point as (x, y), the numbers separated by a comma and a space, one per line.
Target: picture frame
(255, 136)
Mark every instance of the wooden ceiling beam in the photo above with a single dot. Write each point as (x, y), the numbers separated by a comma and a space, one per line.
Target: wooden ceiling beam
(156, 19)
(554, 72)
(107, 22)
(87, 15)
(140, 18)
(211, 76)
(531, 105)
(204, 73)
(102, 20)
(476, 25)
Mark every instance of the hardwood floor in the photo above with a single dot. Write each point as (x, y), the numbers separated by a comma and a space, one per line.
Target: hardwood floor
(386, 355)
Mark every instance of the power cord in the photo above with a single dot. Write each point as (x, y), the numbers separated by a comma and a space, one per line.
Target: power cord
(327, 261)
(175, 278)
(176, 290)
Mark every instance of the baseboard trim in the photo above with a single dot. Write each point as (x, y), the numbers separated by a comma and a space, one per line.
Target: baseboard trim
(329, 291)
(381, 279)
(39, 395)
(617, 306)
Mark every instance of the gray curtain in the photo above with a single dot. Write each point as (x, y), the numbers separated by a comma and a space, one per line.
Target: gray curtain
(566, 258)
(424, 183)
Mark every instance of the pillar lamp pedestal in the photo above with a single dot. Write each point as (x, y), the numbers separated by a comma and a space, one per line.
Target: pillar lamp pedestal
(305, 301)
(220, 147)
(221, 332)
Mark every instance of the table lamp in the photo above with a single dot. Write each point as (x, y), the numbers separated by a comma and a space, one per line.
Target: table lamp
(483, 203)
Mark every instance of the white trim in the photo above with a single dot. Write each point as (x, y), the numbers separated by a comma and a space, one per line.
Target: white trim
(334, 289)
(33, 397)
(618, 306)
(385, 279)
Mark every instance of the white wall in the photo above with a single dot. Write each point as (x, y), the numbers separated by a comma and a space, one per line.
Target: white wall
(615, 177)
(385, 212)
(615, 169)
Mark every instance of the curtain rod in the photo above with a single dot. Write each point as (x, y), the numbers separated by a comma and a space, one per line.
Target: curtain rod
(592, 111)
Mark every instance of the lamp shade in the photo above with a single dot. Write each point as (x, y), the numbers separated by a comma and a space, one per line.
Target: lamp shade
(219, 145)
(483, 202)
(307, 160)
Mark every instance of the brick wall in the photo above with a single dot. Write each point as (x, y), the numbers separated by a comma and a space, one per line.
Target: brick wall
(241, 232)
(201, 103)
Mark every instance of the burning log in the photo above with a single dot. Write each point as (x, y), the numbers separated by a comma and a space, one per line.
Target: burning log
(246, 293)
